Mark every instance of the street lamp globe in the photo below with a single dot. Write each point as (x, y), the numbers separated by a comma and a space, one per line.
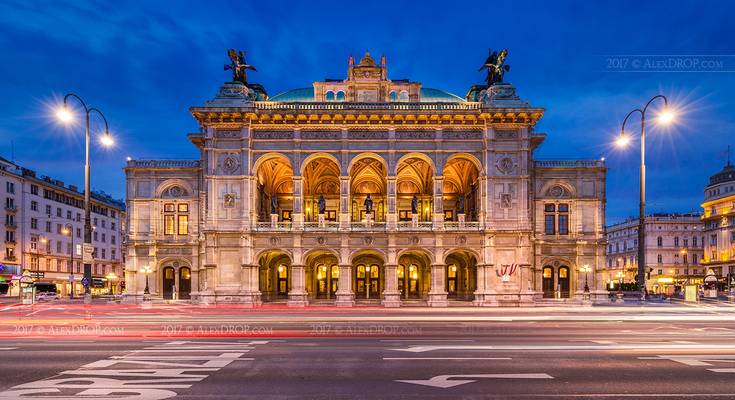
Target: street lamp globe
(64, 115)
(107, 140)
(622, 141)
(666, 117)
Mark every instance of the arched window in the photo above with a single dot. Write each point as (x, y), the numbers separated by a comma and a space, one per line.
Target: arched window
(659, 241)
(340, 96)
(403, 96)
(660, 259)
(329, 96)
(393, 96)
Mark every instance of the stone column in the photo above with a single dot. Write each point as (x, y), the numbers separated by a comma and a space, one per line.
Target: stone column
(345, 295)
(391, 295)
(344, 203)
(297, 296)
(437, 216)
(485, 295)
(437, 293)
(297, 216)
(249, 285)
(391, 218)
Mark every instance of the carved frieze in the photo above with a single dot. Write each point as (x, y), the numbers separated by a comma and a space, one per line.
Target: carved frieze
(462, 134)
(416, 134)
(321, 134)
(506, 134)
(272, 134)
(367, 134)
(226, 133)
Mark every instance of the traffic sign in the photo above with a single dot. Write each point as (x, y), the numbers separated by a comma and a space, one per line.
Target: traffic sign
(85, 281)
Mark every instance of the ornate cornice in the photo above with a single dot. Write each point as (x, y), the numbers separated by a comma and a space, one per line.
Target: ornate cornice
(366, 114)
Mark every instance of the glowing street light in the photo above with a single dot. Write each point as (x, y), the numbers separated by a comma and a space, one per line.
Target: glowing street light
(107, 140)
(665, 117)
(146, 270)
(586, 269)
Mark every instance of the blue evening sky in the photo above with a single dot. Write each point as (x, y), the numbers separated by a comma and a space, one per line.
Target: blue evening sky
(145, 63)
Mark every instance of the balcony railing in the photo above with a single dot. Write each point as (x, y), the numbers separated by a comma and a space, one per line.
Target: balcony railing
(163, 164)
(11, 208)
(569, 163)
(362, 226)
(11, 225)
(349, 106)
(327, 226)
(418, 226)
(271, 227)
(461, 226)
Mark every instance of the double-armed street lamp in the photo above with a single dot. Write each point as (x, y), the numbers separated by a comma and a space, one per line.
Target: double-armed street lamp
(665, 117)
(66, 116)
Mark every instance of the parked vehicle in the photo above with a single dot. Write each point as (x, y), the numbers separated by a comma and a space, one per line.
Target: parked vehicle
(45, 291)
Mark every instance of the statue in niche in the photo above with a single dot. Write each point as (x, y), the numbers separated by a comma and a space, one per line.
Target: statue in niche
(415, 205)
(322, 204)
(460, 204)
(368, 204)
(274, 204)
(495, 66)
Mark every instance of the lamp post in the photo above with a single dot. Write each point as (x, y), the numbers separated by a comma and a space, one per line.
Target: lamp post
(69, 230)
(65, 116)
(146, 270)
(586, 269)
(665, 117)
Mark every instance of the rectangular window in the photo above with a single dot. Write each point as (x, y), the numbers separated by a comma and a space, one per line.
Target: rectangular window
(34, 205)
(48, 226)
(183, 223)
(95, 236)
(112, 239)
(58, 228)
(183, 207)
(58, 212)
(549, 224)
(168, 225)
(112, 226)
(48, 210)
(103, 238)
(10, 186)
(79, 232)
(169, 207)
(103, 223)
(34, 223)
(563, 219)
(34, 189)
(68, 214)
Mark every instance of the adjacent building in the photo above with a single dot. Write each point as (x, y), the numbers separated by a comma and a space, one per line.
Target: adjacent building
(43, 232)
(366, 189)
(719, 224)
(674, 249)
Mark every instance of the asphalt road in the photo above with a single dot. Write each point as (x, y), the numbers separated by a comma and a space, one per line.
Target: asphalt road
(418, 354)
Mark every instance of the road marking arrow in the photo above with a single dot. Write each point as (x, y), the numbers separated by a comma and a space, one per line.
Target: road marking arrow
(444, 382)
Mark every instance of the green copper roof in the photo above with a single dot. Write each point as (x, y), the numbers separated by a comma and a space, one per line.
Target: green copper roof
(428, 95)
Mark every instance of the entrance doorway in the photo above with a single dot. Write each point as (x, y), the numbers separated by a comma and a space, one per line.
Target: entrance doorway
(184, 282)
(282, 281)
(548, 282)
(327, 279)
(367, 281)
(169, 280)
(408, 281)
(563, 282)
(452, 281)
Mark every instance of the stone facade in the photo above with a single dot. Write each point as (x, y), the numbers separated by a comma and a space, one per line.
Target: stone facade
(674, 249)
(719, 225)
(276, 206)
